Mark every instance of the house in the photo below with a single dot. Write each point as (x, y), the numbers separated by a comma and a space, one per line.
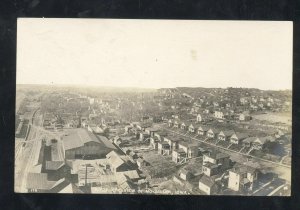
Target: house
(119, 163)
(95, 129)
(133, 155)
(238, 137)
(206, 111)
(184, 151)
(244, 116)
(225, 135)
(185, 174)
(202, 130)
(177, 124)
(191, 128)
(208, 185)
(179, 156)
(183, 126)
(154, 142)
(117, 140)
(190, 148)
(247, 142)
(82, 144)
(170, 123)
(164, 148)
(219, 115)
(161, 134)
(173, 141)
(217, 158)
(144, 136)
(257, 143)
(242, 178)
(198, 118)
(243, 101)
(212, 133)
(141, 163)
(210, 169)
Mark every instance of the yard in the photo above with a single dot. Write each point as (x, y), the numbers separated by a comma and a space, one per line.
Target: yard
(160, 166)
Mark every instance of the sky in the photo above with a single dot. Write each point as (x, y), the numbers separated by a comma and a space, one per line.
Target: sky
(155, 53)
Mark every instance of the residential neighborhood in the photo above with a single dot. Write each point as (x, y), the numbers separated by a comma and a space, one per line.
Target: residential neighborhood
(197, 141)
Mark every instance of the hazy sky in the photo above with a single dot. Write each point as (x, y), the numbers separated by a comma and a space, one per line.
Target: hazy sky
(155, 53)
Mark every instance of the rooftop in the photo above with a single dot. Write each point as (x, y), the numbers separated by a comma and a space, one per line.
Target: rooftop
(54, 165)
(208, 181)
(217, 155)
(78, 137)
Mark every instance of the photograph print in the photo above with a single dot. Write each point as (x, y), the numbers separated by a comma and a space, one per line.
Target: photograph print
(176, 107)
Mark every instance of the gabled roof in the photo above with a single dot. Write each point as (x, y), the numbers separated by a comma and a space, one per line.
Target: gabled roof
(242, 169)
(106, 142)
(54, 165)
(140, 160)
(203, 128)
(261, 140)
(184, 171)
(208, 181)
(214, 130)
(267, 138)
(132, 174)
(181, 151)
(163, 143)
(77, 138)
(250, 139)
(115, 159)
(227, 133)
(240, 136)
(210, 165)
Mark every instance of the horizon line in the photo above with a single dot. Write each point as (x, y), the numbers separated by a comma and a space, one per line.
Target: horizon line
(156, 88)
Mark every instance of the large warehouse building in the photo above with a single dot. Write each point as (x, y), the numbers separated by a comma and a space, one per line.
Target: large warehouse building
(82, 144)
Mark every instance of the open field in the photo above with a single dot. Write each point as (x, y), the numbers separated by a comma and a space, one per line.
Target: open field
(275, 117)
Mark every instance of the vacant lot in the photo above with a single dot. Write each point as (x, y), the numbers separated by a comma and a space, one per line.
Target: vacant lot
(275, 117)
(160, 166)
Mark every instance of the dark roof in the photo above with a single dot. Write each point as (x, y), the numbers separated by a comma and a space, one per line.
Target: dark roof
(210, 165)
(242, 169)
(214, 130)
(228, 133)
(217, 155)
(180, 151)
(250, 139)
(241, 135)
(184, 171)
(203, 128)
(106, 142)
(54, 165)
(189, 144)
(208, 181)
(163, 143)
